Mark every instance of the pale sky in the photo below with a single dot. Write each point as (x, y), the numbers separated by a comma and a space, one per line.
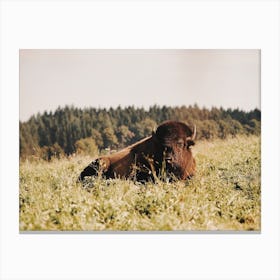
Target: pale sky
(108, 78)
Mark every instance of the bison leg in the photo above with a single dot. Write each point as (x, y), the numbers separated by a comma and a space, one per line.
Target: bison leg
(97, 167)
(90, 170)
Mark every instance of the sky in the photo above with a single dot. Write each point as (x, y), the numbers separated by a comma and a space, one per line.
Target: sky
(109, 78)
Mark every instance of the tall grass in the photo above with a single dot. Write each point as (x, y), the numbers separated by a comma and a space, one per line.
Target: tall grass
(225, 194)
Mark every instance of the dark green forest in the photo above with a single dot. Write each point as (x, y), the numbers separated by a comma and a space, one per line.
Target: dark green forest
(72, 130)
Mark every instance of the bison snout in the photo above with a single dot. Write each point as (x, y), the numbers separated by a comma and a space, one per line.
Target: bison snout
(168, 160)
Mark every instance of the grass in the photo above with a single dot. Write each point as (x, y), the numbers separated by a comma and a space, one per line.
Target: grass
(225, 194)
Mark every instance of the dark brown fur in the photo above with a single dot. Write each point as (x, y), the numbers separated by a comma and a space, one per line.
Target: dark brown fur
(168, 148)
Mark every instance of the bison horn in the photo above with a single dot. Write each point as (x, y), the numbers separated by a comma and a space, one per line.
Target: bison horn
(194, 133)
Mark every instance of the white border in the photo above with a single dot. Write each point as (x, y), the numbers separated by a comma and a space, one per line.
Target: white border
(136, 24)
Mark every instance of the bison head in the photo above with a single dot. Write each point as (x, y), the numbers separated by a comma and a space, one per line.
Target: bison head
(173, 141)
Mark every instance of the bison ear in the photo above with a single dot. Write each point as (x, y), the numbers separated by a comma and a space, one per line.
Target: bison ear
(190, 143)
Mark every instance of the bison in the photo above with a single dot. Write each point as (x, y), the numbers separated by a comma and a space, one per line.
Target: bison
(167, 150)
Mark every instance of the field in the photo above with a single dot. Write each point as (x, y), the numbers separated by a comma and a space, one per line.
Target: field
(225, 194)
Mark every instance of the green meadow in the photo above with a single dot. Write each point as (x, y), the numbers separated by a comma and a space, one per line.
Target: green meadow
(225, 194)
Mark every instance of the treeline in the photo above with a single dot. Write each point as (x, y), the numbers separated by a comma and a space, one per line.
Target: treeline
(71, 130)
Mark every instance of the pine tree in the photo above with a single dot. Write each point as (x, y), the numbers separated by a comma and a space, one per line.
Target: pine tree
(49, 134)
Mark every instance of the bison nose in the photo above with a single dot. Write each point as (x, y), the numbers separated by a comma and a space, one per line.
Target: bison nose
(168, 160)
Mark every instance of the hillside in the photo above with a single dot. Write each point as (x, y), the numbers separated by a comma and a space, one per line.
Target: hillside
(71, 130)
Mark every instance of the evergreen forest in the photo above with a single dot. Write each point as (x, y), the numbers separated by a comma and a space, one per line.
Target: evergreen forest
(68, 131)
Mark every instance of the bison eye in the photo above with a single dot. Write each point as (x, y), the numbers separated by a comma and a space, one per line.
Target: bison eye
(180, 145)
